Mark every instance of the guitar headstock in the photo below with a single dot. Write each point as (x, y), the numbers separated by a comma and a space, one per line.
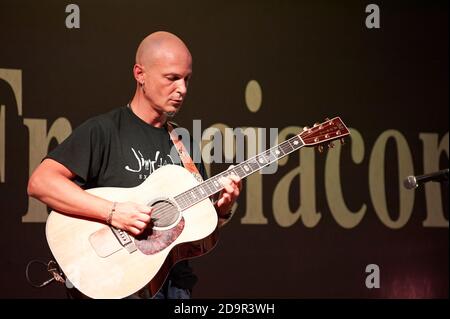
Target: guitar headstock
(321, 133)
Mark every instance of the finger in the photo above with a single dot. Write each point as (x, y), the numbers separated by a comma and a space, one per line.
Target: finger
(226, 183)
(236, 192)
(229, 174)
(228, 188)
(224, 180)
(140, 225)
(145, 209)
(231, 196)
(144, 218)
(225, 199)
(237, 186)
(134, 230)
(234, 178)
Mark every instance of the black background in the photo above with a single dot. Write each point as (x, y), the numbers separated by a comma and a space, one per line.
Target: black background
(312, 59)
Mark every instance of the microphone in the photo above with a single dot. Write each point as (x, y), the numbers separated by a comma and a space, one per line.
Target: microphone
(412, 182)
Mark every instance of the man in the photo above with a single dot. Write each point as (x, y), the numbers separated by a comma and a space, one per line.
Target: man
(123, 147)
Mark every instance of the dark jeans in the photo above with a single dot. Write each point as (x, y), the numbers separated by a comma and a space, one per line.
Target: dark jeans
(168, 291)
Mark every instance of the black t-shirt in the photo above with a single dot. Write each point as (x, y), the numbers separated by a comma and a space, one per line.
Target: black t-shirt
(118, 149)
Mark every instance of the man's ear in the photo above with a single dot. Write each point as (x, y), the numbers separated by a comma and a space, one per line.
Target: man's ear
(138, 72)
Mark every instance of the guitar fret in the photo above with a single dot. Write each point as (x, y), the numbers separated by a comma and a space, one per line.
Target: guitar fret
(270, 155)
(211, 186)
(196, 193)
(295, 142)
(181, 201)
(240, 171)
(253, 164)
(261, 160)
(208, 186)
(232, 171)
(292, 144)
(278, 151)
(186, 199)
(286, 147)
(227, 173)
(247, 169)
(216, 184)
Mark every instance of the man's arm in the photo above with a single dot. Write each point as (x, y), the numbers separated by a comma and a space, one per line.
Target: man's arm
(52, 184)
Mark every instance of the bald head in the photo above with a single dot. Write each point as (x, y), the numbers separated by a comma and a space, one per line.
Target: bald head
(160, 44)
(162, 71)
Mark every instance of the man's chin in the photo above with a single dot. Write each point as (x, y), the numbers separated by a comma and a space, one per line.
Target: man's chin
(170, 114)
(171, 110)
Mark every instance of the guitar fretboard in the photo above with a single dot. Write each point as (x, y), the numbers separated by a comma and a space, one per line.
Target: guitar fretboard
(212, 185)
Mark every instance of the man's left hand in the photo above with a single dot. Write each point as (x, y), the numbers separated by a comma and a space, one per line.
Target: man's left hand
(232, 187)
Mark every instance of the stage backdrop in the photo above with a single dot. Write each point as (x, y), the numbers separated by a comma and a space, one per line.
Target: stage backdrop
(338, 224)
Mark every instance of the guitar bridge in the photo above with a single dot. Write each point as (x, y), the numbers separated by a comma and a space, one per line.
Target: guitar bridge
(109, 240)
(124, 239)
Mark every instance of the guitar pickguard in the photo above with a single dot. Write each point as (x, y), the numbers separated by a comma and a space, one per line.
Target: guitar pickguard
(153, 241)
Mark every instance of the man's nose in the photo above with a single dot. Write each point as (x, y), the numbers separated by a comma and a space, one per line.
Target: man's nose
(182, 87)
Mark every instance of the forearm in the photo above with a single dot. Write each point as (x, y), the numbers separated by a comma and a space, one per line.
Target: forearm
(63, 195)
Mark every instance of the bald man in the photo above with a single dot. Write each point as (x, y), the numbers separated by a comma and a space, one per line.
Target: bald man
(123, 147)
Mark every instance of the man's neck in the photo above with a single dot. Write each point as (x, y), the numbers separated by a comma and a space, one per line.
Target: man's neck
(146, 112)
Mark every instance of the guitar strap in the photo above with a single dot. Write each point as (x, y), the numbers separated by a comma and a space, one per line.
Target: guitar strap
(183, 153)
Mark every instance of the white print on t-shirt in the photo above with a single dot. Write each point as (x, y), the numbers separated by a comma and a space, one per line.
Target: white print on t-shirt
(148, 166)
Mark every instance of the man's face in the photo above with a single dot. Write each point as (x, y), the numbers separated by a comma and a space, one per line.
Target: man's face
(166, 80)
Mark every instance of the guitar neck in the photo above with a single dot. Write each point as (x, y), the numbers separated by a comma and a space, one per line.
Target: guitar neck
(212, 185)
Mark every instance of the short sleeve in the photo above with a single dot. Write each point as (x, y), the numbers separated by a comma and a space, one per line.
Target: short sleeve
(82, 151)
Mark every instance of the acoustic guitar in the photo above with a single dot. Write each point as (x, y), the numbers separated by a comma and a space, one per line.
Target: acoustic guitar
(105, 262)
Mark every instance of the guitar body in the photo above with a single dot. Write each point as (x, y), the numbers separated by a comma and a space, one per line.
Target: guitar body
(104, 263)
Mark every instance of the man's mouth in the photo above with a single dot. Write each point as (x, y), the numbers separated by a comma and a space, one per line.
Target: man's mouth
(177, 102)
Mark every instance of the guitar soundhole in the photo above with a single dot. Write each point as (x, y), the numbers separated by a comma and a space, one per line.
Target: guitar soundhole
(164, 214)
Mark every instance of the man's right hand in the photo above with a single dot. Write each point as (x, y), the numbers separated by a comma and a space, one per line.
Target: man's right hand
(131, 217)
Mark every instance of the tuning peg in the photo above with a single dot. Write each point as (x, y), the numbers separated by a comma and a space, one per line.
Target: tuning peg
(320, 148)
(342, 141)
(327, 119)
(316, 124)
(330, 145)
(305, 128)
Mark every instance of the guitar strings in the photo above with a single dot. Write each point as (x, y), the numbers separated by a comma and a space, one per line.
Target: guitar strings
(164, 210)
(167, 209)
